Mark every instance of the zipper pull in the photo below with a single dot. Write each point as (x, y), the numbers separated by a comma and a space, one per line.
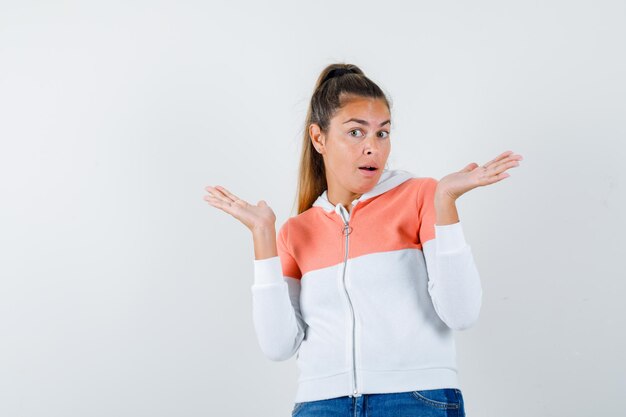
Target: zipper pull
(340, 210)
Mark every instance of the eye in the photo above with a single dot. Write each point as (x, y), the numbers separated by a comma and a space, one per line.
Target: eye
(354, 130)
(384, 131)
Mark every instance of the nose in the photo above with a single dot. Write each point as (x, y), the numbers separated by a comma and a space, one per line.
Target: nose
(372, 145)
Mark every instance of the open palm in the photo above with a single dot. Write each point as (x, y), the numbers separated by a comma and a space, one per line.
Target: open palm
(253, 217)
(458, 183)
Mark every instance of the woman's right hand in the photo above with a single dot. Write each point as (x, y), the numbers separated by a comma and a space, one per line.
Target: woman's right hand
(253, 217)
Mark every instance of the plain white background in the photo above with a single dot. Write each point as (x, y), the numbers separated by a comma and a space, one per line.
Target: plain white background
(123, 293)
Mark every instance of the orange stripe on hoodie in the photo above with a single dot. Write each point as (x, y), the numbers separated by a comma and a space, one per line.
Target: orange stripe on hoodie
(403, 217)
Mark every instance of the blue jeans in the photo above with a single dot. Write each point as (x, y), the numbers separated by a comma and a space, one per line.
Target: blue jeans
(442, 402)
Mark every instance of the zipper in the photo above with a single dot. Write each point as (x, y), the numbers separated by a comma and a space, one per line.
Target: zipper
(347, 229)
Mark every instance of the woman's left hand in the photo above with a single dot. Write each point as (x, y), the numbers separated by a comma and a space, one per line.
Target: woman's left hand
(458, 183)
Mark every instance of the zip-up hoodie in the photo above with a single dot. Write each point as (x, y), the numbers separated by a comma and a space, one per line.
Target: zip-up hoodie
(368, 299)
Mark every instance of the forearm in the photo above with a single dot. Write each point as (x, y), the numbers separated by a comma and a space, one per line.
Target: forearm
(275, 298)
(454, 282)
(264, 243)
(445, 208)
(276, 310)
(453, 279)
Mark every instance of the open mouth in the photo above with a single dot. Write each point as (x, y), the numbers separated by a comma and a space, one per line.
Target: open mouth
(368, 168)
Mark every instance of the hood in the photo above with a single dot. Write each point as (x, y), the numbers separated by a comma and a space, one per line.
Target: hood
(389, 179)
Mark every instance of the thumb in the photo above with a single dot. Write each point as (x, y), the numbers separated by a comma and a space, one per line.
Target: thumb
(469, 167)
(262, 203)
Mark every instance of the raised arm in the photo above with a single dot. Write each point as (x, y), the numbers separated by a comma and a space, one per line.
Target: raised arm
(278, 321)
(275, 296)
(453, 280)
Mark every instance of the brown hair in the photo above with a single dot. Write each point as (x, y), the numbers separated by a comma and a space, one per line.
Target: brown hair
(335, 83)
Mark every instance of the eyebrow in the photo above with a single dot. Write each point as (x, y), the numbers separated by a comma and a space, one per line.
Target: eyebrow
(363, 122)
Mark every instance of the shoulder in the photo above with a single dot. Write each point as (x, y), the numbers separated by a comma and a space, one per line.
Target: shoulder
(283, 230)
(426, 182)
(292, 229)
(425, 186)
(422, 188)
(306, 219)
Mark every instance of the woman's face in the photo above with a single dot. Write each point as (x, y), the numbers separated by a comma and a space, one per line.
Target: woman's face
(358, 136)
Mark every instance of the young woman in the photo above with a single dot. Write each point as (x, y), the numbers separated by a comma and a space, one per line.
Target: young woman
(368, 282)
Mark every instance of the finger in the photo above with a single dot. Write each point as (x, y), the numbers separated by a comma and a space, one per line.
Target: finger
(498, 178)
(497, 172)
(223, 194)
(228, 194)
(497, 158)
(511, 157)
(224, 205)
(504, 165)
(216, 193)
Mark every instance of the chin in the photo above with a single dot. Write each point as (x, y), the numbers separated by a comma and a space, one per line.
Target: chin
(367, 184)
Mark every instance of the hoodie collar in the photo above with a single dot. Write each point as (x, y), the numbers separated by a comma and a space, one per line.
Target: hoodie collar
(389, 179)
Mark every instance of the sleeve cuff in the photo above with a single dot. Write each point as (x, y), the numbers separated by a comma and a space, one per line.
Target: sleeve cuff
(449, 237)
(268, 271)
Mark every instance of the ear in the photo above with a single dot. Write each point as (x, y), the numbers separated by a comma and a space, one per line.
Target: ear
(317, 137)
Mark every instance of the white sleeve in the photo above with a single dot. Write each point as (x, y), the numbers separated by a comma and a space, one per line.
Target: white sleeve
(276, 313)
(453, 280)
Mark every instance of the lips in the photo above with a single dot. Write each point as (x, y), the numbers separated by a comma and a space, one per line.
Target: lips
(369, 167)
